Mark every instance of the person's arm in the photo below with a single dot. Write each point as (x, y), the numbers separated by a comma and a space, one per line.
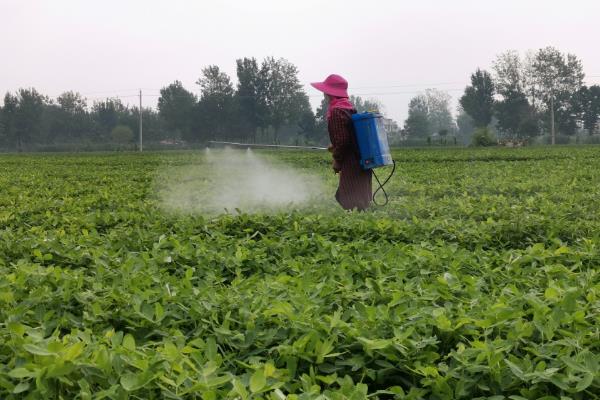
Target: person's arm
(339, 135)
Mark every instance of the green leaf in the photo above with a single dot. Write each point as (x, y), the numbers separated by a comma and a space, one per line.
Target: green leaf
(269, 369)
(129, 342)
(131, 382)
(375, 344)
(60, 369)
(327, 379)
(518, 372)
(73, 351)
(257, 381)
(573, 364)
(585, 382)
(159, 311)
(7, 296)
(551, 294)
(561, 250)
(16, 328)
(211, 349)
(216, 381)
(22, 373)
(33, 349)
(21, 387)
(208, 383)
(240, 389)
(560, 381)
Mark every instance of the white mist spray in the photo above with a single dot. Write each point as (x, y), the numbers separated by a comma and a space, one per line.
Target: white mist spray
(230, 180)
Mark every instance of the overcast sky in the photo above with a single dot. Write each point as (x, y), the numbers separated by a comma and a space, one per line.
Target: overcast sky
(388, 50)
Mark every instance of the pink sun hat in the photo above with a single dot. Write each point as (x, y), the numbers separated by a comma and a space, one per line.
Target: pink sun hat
(334, 85)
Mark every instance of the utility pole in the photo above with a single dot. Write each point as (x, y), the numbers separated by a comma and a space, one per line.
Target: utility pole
(552, 117)
(141, 120)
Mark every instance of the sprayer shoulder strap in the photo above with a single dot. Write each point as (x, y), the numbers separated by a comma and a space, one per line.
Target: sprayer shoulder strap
(353, 131)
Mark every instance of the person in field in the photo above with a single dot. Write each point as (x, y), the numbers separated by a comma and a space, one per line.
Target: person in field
(354, 190)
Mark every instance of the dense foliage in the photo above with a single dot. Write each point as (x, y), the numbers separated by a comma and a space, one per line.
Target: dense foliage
(480, 279)
(483, 137)
(542, 93)
(269, 103)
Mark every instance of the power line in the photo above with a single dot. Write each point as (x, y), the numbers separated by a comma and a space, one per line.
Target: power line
(392, 85)
(108, 91)
(425, 85)
(132, 93)
(98, 92)
(320, 95)
(125, 93)
(411, 92)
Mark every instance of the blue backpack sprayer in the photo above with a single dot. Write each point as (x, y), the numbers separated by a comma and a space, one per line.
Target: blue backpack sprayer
(373, 147)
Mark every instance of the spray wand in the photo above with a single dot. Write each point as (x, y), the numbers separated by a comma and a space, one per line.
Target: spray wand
(279, 146)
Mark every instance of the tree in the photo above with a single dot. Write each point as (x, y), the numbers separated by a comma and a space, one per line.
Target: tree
(364, 105)
(154, 125)
(516, 116)
(320, 118)
(215, 110)
(556, 79)
(478, 100)
(482, 137)
(509, 75)
(465, 125)
(176, 107)
(590, 107)
(357, 101)
(251, 96)
(213, 82)
(438, 110)
(71, 119)
(417, 124)
(30, 118)
(592, 110)
(72, 102)
(122, 134)
(2, 127)
(283, 93)
(308, 126)
(107, 114)
(429, 113)
(9, 111)
(27, 116)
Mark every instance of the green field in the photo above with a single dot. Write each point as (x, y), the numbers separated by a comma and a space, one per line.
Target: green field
(480, 279)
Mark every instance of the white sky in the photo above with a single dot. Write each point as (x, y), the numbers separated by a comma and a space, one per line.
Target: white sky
(387, 50)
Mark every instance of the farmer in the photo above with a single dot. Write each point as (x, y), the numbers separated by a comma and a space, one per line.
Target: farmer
(354, 190)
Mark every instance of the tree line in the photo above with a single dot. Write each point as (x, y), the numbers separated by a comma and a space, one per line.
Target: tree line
(542, 93)
(267, 103)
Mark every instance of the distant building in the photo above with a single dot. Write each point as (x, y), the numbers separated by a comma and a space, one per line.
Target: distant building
(390, 125)
(393, 130)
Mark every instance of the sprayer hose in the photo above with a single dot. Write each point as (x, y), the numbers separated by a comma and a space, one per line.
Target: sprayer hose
(381, 186)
